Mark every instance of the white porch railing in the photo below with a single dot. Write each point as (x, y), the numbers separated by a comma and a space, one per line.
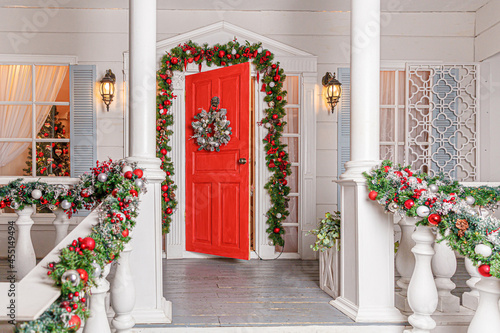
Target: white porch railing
(33, 278)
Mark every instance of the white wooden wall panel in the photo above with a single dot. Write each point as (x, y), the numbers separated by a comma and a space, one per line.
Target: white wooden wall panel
(487, 16)
(488, 43)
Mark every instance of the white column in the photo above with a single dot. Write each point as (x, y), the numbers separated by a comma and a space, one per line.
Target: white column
(405, 261)
(444, 266)
(25, 253)
(367, 240)
(61, 223)
(146, 259)
(470, 299)
(487, 317)
(98, 320)
(123, 293)
(422, 292)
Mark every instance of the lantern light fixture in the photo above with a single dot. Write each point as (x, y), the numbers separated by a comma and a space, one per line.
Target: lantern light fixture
(333, 90)
(107, 88)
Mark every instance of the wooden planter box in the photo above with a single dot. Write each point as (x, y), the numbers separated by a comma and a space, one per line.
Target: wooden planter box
(329, 266)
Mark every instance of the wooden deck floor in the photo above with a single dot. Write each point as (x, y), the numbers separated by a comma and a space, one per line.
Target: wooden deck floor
(229, 292)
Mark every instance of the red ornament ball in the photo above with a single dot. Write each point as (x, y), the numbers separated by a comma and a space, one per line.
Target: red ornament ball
(221, 54)
(174, 61)
(115, 192)
(85, 194)
(83, 274)
(275, 116)
(277, 230)
(163, 151)
(133, 192)
(484, 270)
(128, 174)
(373, 195)
(434, 219)
(88, 242)
(139, 173)
(268, 53)
(169, 210)
(169, 81)
(164, 188)
(284, 182)
(125, 233)
(409, 203)
(273, 66)
(386, 168)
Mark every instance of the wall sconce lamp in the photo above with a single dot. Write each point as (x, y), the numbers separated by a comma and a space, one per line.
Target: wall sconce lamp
(107, 88)
(333, 90)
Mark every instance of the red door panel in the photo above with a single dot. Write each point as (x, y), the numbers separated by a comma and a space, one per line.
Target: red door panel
(217, 185)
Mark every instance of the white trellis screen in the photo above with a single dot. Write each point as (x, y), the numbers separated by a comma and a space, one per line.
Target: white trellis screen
(442, 119)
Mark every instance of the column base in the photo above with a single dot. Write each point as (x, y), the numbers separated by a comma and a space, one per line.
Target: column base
(470, 301)
(402, 304)
(162, 315)
(368, 315)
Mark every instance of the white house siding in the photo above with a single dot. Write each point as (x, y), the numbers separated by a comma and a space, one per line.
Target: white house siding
(97, 32)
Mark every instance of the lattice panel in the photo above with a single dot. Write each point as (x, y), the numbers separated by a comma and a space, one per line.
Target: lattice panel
(442, 119)
(329, 266)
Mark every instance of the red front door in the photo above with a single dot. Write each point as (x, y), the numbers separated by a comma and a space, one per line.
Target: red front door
(217, 184)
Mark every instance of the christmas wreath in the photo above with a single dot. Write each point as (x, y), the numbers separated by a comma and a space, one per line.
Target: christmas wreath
(272, 77)
(460, 213)
(113, 189)
(211, 129)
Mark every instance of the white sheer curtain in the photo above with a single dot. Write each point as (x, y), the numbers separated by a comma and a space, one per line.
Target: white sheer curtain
(15, 120)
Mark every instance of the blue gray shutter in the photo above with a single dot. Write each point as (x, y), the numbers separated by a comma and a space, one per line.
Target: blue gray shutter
(83, 139)
(444, 96)
(344, 125)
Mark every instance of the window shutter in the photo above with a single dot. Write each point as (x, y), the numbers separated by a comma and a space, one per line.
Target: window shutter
(83, 119)
(344, 121)
(444, 94)
(344, 126)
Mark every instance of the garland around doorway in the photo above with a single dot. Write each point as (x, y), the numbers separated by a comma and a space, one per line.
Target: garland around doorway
(271, 76)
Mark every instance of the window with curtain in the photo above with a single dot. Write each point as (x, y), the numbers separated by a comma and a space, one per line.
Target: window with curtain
(34, 120)
(292, 137)
(392, 115)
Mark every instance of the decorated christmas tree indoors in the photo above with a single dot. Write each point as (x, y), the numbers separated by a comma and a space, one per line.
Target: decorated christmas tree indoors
(52, 158)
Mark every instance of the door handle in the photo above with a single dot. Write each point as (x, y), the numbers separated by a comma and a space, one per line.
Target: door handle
(242, 161)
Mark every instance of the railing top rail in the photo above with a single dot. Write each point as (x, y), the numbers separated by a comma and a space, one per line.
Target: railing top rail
(477, 184)
(48, 180)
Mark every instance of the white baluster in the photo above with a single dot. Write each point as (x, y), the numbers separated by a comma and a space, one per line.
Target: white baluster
(25, 253)
(98, 320)
(61, 223)
(422, 292)
(470, 299)
(444, 266)
(123, 293)
(405, 261)
(487, 317)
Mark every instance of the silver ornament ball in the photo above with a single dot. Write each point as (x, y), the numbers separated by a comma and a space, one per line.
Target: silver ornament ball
(412, 180)
(393, 207)
(71, 276)
(423, 211)
(271, 84)
(267, 125)
(271, 104)
(139, 183)
(14, 205)
(102, 177)
(97, 269)
(65, 204)
(36, 194)
(433, 188)
(233, 51)
(126, 168)
(470, 200)
(278, 215)
(483, 250)
(260, 50)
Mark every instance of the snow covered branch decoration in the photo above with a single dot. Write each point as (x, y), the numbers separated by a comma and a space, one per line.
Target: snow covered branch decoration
(460, 213)
(211, 129)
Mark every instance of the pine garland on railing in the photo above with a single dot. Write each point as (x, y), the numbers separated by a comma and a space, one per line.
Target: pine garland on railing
(453, 208)
(273, 77)
(112, 188)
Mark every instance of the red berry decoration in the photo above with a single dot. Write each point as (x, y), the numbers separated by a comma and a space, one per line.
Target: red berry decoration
(83, 274)
(373, 195)
(277, 230)
(125, 233)
(89, 243)
(434, 219)
(75, 322)
(139, 173)
(484, 270)
(409, 203)
(128, 175)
